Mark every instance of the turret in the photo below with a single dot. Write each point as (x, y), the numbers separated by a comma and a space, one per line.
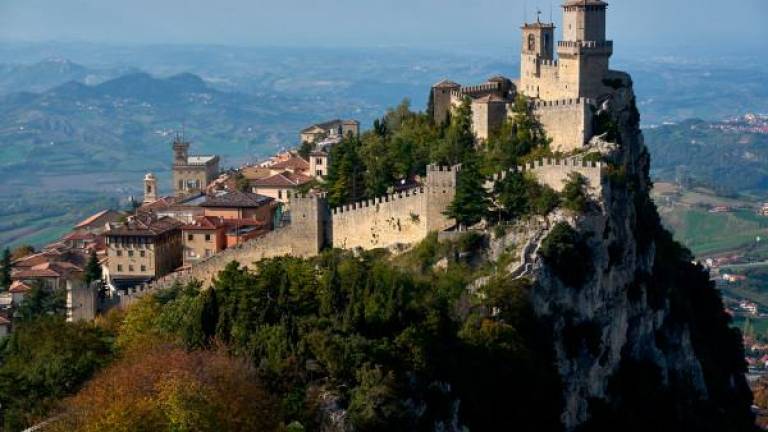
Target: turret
(584, 52)
(150, 188)
(584, 20)
(441, 99)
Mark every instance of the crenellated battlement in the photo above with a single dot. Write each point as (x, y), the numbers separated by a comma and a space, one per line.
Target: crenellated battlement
(562, 103)
(547, 63)
(585, 44)
(554, 173)
(370, 203)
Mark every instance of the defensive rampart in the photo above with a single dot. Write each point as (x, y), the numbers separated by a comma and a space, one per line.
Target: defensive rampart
(554, 173)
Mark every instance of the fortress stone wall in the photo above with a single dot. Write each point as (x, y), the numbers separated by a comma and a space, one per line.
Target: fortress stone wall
(405, 217)
(568, 122)
(554, 173)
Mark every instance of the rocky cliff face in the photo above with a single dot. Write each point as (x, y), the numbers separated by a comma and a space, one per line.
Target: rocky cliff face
(642, 340)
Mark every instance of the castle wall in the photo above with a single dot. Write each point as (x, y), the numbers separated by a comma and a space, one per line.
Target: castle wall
(381, 222)
(405, 217)
(554, 173)
(568, 122)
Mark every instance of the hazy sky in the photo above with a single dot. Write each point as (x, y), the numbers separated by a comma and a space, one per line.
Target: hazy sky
(419, 23)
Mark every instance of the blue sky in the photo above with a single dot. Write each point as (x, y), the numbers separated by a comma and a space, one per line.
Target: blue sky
(703, 24)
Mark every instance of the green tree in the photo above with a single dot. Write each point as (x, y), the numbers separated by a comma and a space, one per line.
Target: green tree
(22, 251)
(471, 202)
(44, 360)
(305, 149)
(41, 301)
(5, 270)
(459, 138)
(92, 268)
(377, 159)
(519, 136)
(431, 104)
(345, 181)
(575, 192)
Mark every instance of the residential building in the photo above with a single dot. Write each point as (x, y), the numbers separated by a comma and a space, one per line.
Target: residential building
(280, 186)
(240, 205)
(143, 248)
(243, 230)
(319, 164)
(329, 129)
(204, 237)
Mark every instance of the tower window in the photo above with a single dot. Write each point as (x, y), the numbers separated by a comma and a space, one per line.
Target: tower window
(531, 43)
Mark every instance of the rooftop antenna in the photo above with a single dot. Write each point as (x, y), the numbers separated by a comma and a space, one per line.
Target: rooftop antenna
(550, 12)
(525, 11)
(538, 15)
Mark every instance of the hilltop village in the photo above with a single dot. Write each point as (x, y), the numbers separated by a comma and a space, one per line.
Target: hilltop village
(280, 207)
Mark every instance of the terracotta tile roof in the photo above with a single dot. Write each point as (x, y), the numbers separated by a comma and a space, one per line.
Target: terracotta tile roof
(77, 235)
(446, 84)
(255, 172)
(144, 225)
(4, 320)
(284, 179)
(205, 223)
(161, 203)
(237, 199)
(294, 163)
(91, 219)
(19, 287)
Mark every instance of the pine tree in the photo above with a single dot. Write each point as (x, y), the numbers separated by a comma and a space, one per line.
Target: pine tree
(5, 270)
(92, 268)
(471, 202)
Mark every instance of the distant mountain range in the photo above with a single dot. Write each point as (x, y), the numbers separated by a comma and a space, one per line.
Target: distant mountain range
(51, 72)
(125, 124)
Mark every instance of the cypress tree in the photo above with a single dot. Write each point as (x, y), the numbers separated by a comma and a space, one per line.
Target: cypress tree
(92, 268)
(471, 202)
(5, 270)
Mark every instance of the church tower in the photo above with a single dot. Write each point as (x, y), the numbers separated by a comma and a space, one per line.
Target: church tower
(180, 151)
(584, 52)
(150, 188)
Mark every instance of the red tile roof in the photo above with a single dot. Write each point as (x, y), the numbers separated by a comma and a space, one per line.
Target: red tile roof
(19, 287)
(284, 179)
(145, 225)
(293, 163)
(205, 223)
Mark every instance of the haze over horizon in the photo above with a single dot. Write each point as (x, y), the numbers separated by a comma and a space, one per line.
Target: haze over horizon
(485, 25)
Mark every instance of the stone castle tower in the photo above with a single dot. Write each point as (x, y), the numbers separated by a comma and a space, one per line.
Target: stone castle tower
(191, 173)
(583, 54)
(565, 80)
(150, 188)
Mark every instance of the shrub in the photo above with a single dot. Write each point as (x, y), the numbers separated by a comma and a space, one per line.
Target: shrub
(567, 254)
(575, 193)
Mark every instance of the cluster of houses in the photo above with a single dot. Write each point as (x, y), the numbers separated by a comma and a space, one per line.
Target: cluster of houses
(207, 213)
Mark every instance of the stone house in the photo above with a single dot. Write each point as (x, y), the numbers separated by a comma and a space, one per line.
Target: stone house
(240, 205)
(329, 129)
(204, 237)
(280, 186)
(191, 173)
(143, 248)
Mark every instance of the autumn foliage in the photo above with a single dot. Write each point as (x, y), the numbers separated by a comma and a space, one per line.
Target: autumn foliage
(169, 388)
